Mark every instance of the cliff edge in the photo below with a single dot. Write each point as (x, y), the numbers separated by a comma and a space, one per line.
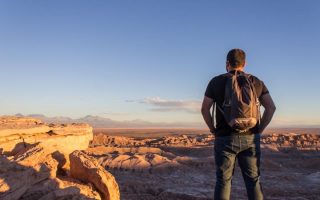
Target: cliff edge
(35, 162)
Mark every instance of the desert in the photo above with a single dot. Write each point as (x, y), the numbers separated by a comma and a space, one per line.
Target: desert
(74, 161)
(132, 100)
(180, 164)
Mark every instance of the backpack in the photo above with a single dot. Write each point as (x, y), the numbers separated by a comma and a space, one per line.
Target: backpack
(241, 106)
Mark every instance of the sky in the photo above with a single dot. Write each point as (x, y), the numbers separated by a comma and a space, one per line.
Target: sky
(152, 60)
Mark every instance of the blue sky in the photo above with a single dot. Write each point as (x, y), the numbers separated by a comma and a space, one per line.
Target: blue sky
(152, 60)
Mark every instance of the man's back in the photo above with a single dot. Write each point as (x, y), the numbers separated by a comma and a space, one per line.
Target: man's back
(216, 91)
(231, 144)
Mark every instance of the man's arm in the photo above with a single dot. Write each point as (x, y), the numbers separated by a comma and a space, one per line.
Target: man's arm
(206, 114)
(270, 108)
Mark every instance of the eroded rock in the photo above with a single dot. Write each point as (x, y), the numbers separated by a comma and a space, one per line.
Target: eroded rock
(87, 169)
(34, 160)
(25, 170)
(17, 133)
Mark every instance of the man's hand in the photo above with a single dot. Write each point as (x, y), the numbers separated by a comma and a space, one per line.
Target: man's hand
(270, 108)
(206, 114)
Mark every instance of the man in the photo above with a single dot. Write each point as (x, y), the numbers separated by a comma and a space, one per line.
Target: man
(231, 144)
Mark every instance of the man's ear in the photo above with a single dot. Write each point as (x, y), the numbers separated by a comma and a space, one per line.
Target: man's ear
(227, 66)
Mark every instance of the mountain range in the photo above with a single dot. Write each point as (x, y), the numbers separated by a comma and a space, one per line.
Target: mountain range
(102, 122)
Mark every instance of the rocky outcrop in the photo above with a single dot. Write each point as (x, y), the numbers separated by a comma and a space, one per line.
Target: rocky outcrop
(139, 158)
(87, 169)
(292, 140)
(274, 140)
(18, 133)
(34, 160)
(155, 154)
(26, 170)
(177, 141)
(33, 174)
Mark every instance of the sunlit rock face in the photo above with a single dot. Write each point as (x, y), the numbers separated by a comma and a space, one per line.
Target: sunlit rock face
(87, 169)
(17, 133)
(34, 160)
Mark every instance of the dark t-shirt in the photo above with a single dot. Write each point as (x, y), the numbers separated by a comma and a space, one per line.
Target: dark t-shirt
(216, 89)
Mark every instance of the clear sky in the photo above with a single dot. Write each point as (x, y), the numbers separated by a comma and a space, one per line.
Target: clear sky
(152, 60)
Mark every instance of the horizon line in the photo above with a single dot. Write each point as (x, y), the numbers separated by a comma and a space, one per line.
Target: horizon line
(296, 126)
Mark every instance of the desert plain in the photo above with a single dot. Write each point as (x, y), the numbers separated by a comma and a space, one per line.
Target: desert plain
(179, 163)
(46, 161)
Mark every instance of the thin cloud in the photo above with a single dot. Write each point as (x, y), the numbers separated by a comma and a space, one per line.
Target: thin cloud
(165, 105)
(130, 100)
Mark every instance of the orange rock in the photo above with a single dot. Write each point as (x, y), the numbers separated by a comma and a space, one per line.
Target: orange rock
(87, 169)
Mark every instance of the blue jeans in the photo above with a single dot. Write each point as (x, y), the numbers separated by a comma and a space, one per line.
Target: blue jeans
(245, 149)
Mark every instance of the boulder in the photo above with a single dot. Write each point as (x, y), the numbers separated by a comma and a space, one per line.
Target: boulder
(87, 169)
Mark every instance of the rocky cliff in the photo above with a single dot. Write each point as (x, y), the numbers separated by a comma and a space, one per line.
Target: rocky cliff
(45, 161)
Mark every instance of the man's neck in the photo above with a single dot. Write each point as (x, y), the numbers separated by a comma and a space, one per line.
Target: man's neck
(235, 69)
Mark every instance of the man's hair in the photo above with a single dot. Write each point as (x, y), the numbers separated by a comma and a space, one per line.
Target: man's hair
(236, 58)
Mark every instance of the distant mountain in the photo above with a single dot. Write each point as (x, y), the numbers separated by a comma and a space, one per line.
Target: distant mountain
(102, 122)
(59, 119)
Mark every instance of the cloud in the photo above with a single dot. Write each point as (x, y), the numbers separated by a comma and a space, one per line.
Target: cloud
(165, 105)
(130, 100)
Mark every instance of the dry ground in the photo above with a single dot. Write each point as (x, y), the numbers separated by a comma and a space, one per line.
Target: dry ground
(286, 173)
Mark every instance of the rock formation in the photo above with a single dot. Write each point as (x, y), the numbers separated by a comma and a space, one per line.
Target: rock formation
(86, 168)
(292, 140)
(176, 141)
(177, 167)
(17, 133)
(49, 162)
(278, 141)
(140, 158)
(34, 160)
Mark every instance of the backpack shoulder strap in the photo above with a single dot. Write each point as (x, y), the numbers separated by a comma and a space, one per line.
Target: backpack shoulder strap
(250, 79)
